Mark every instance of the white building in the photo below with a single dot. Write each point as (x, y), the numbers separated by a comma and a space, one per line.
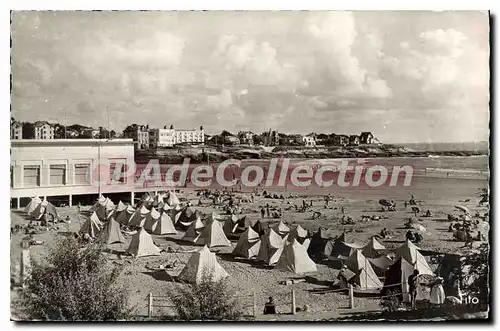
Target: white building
(161, 138)
(309, 141)
(190, 136)
(170, 137)
(68, 167)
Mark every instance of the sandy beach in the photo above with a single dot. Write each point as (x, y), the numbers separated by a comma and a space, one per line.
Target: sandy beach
(248, 277)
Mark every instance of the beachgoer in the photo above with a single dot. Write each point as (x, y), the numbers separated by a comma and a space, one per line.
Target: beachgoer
(267, 210)
(269, 307)
(262, 212)
(343, 210)
(437, 292)
(412, 288)
(428, 213)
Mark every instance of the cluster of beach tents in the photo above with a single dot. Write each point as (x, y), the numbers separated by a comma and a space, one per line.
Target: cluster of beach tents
(38, 208)
(366, 264)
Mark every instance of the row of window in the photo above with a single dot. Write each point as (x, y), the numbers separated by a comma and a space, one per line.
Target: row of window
(57, 174)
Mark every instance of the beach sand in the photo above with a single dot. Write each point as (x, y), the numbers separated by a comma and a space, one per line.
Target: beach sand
(437, 195)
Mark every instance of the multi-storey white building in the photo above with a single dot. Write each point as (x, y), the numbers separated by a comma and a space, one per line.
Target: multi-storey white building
(16, 131)
(170, 137)
(40, 130)
(69, 167)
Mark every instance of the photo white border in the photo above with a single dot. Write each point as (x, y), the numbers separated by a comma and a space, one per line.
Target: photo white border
(196, 5)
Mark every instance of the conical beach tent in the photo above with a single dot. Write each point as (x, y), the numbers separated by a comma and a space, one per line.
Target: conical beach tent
(151, 219)
(193, 232)
(92, 226)
(248, 245)
(399, 272)
(410, 253)
(298, 233)
(231, 225)
(33, 204)
(373, 249)
(342, 250)
(202, 262)
(142, 244)
(259, 228)
(184, 217)
(295, 259)
(281, 228)
(318, 247)
(366, 277)
(172, 199)
(213, 235)
(124, 216)
(271, 247)
(138, 218)
(111, 233)
(164, 225)
(44, 208)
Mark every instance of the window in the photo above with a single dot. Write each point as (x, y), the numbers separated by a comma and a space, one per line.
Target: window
(117, 176)
(58, 174)
(31, 176)
(82, 174)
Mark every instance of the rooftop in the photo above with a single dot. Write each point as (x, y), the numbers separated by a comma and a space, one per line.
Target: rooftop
(68, 142)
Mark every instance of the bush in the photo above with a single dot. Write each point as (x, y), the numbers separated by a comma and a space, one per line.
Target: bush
(74, 284)
(208, 300)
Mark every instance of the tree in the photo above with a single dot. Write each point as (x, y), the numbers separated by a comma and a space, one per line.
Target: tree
(59, 131)
(75, 284)
(226, 134)
(257, 140)
(28, 130)
(208, 300)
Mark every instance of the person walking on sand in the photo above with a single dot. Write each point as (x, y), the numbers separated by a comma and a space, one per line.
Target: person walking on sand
(262, 212)
(267, 210)
(343, 210)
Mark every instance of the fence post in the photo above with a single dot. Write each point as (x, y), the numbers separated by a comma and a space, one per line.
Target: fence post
(254, 304)
(351, 297)
(293, 303)
(150, 305)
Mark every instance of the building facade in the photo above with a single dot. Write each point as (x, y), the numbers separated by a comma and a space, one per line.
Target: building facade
(366, 138)
(354, 140)
(170, 137)
(90, 133)
(39, 130)
(16, 131)
(309, 140)
(246, 137)
(69, 167)
(140, 134)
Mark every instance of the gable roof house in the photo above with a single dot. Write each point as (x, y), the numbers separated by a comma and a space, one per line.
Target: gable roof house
(366, 138)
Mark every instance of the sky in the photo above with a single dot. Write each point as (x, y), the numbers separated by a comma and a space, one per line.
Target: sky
(415, 76)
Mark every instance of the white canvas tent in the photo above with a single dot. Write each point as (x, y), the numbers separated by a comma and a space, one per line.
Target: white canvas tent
(193, 232)
(172, 199)
(124, 216)
(151, 219)
(164, 225)
(271, 247)
(200, 262)
(366, 277)
(142, 244)
(295, 259)
(33, 204)
(213, 235)
(138, 218)
(111, 233)
(92, 226)
(248, 245)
